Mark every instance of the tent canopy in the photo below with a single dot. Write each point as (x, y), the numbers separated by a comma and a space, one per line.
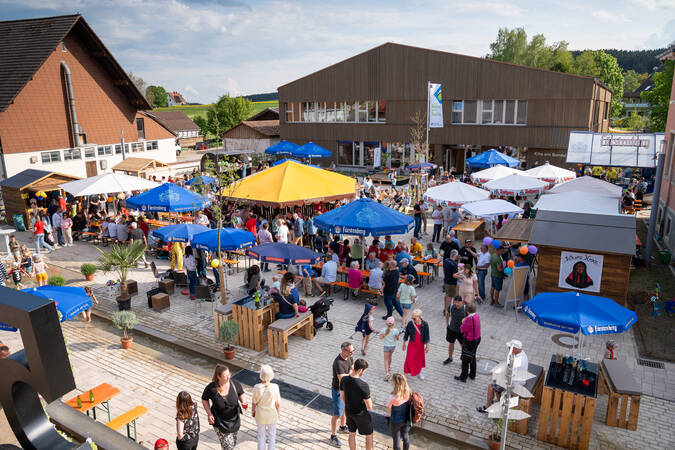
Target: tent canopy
(588, 185)
(491, 208)
(281, 148)
(168, 197)
(281, 161)
(493, 173)
(579, 202)
(516, 184)
(551, 174)
(201, 179)
(364, 217)
(291, 184)
(107, 183)
(455, 194)
(492, 158)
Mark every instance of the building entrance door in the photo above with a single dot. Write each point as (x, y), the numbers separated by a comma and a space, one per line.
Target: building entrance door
(91, 168)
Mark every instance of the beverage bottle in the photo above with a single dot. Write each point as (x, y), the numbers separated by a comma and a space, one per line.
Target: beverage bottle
(91, 396)
(79, 402)
(257, 299)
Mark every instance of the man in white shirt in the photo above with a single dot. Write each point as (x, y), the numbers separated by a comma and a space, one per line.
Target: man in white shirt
(437, 216)
(201, 219)
(482, 266)
(520, 366)
(282, 232)
(56, 225)
(328, 275)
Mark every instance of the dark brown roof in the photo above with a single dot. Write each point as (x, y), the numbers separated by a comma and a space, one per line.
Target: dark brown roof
(174, 120)
(266, 127)
(26, 44)
(265, 114)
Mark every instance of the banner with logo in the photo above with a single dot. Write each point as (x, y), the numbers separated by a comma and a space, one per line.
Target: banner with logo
(614, 149)
(580, 271)
(435, 109)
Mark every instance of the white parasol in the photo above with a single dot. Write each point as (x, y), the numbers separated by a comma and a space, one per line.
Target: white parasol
(455, 194)
(551, 174)
(107, 183)
(493, 173)
(516, 184)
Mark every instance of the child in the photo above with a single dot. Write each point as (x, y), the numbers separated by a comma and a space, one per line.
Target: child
(17, 275)
(365, 326)
(302, 305)
(14, 248)
(276, 284)
(609, 350)
(87, 313)
(26, 260)
(389, 336)
(431, 253)
(40, 270)
(406, 296)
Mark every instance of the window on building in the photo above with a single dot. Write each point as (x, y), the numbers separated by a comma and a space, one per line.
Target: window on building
(345, 153)
(289, 112)
(72, 153)
(362, 115)
(137, 147)
(330, 112)
(457, 111)
(340, 112)
(510, 111)
(104, 150)
(151, 145)
(382, 111)
(522, 112)
(118, 149)
(140, 127)
(498, 108)
(607, 106)
(350, 111)
(470, 111)
(321, 112)
(90, 152)
(63, 47)
(372, 111)
(486, 111)
(48, 157)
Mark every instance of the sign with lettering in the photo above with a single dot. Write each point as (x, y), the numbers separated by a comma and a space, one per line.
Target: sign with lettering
(580, 271)
(614, 149)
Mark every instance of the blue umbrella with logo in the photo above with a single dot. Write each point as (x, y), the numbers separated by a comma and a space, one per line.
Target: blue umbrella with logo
(168, 198)
(70, 300)
(574, 312)
(492, 158)
(201, 179)
(281, 148)
(282, 253)
(182, 232)
(230, 239)
(311, 150)
(281, 161)
(364, 217)
(423, 166)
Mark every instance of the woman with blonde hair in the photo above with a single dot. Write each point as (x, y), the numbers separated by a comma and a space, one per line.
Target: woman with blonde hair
(225, 395)
(265, 408)
(468, 286)
(417, 331)
(399, 412)
(187, 422)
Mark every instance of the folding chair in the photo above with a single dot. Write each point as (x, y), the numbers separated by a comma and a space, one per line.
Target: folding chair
(158, 275)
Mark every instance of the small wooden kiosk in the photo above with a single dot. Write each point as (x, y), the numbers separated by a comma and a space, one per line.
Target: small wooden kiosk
(515, 231)
(17, 190)
(140, 167)
(584, 252)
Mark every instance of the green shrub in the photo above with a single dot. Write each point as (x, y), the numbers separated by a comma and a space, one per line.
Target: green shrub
(88, 269)
(56, 280)
(228, 333)
(124, 320)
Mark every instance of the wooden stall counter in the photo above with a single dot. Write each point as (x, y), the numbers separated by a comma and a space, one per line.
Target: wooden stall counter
(253, 322)
(469, 229)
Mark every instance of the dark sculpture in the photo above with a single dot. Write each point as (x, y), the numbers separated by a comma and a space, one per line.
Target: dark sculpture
(42, 367)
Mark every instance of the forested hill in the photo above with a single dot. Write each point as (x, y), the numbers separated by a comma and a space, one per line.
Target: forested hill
(641, 61)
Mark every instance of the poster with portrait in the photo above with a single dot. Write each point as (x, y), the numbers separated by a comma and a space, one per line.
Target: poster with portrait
(580, 271)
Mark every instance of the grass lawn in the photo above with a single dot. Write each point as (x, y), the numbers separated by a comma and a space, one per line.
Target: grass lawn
(656, 335)
(200, 110)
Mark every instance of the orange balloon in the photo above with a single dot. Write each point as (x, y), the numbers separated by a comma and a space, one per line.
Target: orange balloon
(523, 250)
(511, 264)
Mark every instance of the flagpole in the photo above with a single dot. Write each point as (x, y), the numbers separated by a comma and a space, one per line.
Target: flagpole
(428, 113)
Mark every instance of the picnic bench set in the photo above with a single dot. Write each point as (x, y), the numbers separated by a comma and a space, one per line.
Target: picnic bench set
(100, 396)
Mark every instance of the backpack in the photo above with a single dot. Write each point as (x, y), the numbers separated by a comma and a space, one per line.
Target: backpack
(417, 407)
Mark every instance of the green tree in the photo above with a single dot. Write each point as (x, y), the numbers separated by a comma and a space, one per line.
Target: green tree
(200, 121)
(157, 96)
(632, 80)
(636, 122)
(138, 81)
(604, 67)
(512, 46)
(224, 114)
(658, 97)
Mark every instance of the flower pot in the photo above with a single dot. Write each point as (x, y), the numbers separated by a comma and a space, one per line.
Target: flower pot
(89, 277)
(492, 443)
(126, 343)
(123, 303)
(229, 353)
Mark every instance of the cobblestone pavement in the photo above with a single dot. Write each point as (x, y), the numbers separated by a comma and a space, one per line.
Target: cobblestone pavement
(449, 402)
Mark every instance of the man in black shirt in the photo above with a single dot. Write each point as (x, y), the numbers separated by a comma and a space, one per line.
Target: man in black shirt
(447, 245)
(342, 366)
(391, 278)
(449, 270)
(467, 254)
(417, 214)
(355, 394)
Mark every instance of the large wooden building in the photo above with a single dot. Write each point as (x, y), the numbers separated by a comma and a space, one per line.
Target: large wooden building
(367, 102)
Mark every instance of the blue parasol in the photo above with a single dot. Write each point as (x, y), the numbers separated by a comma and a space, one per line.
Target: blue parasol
(282, 253)
(70, 300)
(364, 217)
(281, 148)
(182, 232)
(281, 161)
(168, 198)
(201, 179)
(492, 158)
(311, 150)
(424, 166)
(230, 239)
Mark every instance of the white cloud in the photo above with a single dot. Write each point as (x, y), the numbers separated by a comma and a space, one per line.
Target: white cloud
(612, 17)
(190, 90)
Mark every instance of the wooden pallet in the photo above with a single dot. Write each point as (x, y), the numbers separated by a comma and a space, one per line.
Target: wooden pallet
(622, 409)
(252, 323)
(524, 404)
(278, 332)
(565, 419)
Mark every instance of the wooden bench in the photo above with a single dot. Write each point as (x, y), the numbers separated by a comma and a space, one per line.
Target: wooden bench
(535, 385)
(623, 405)
(94, 236)
(346, 290)
(422, 276)
(279, 330)
(128, 418)
(221, 313)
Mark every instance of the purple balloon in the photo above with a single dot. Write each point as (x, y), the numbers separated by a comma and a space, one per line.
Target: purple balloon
(503, 263)
(496, 243)
(532, 249)
(487, 240)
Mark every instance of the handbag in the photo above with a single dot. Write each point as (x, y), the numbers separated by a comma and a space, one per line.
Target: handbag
(468, 355)
(232, 424)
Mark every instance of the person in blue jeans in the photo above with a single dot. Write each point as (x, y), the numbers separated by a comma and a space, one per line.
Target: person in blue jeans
(391, 278)
(190, 264)
(418, 219)
(482, 266)
(342, 366)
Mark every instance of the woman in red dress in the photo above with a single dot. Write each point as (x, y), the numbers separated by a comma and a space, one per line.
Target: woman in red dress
(417, 330)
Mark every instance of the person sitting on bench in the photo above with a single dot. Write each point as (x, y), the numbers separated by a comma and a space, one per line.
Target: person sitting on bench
(520, 364)
(288, 306)
(407, 269)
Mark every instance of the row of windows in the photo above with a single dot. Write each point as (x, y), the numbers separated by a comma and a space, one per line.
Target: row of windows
(489, 112)
(102, 150)
(337, 112)
(186, 134)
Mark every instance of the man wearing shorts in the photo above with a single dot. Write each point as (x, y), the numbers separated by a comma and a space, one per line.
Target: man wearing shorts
(457, 313)
(342, 365)
(496, 276)
(355, 394)
(449, 280)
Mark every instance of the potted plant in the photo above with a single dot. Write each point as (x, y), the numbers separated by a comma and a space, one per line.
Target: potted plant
(88, 270)
(228, 333)
(125, 320)
(121, 258)
(56, 280)
(495, 438)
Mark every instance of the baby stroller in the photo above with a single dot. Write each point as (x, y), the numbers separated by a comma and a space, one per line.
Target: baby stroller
(320, 310)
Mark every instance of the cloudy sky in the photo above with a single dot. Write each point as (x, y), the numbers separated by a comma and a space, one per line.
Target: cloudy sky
(204, 48)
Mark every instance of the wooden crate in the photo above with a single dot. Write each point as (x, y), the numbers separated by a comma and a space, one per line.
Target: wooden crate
(252, 324)
(565, 419)
(524, 404)
(622, 409)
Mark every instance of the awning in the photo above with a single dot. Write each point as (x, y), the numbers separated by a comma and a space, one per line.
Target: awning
(492, 208)
(133, 164)
(108, 182)
(588, 185)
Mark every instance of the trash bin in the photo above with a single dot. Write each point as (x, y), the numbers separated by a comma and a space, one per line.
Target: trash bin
(665, 256)
(19, 224)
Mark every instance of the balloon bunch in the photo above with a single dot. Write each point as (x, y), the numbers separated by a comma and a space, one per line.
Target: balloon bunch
(41, 194)
(510, 264)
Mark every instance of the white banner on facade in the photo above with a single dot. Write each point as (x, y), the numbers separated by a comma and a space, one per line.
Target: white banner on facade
(435, 106)
(377, 156)
(614, 149)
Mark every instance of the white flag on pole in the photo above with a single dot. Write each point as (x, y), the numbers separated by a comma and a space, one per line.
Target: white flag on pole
(435, 106)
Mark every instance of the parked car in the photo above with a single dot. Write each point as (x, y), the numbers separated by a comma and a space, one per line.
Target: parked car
(201, 146)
